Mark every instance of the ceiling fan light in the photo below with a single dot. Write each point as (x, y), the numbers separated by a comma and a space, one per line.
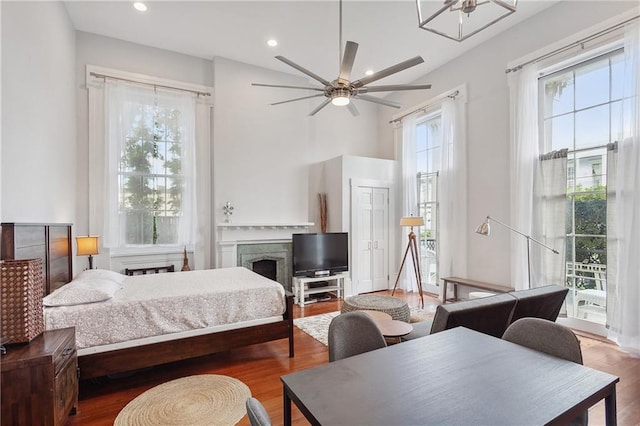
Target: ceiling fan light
(340, 100)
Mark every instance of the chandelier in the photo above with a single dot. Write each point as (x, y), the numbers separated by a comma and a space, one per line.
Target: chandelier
(460, 19)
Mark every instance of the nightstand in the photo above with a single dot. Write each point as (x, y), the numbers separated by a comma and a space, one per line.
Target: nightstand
(40, 380)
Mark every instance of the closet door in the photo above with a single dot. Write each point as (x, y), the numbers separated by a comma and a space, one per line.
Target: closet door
(372, 236)
(380, 238)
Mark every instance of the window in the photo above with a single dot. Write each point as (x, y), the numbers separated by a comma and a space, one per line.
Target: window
(428, 157)
(581, 111)
(150, 179)
(151, 143)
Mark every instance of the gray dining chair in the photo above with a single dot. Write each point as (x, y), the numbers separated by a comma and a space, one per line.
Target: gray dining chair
(353, 333)
(258, 416)
(551, 338)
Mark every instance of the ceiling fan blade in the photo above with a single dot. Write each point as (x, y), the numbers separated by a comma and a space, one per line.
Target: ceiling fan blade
(388, 71)
(352, 109)
(303, 70)
(319, 107)
(378, 101)
(297, 99)
(393, 88)
(347, 61)
(289, 87)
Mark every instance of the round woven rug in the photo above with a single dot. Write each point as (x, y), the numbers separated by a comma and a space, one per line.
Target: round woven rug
(207, 399)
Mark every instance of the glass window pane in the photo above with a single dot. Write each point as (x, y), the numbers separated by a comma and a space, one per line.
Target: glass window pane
(592, 84)
(421, 137)
(592, 127)
(617, 76)
(591, 250)
(558, 98)
(560, 131)
(421, 161)
(591, 214)
(616, 121)
(434, 158)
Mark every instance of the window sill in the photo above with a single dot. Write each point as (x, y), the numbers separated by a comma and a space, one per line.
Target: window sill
(147, 251)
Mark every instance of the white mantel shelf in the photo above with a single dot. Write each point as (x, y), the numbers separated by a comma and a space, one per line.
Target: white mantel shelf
(252, 226)
(231, 234)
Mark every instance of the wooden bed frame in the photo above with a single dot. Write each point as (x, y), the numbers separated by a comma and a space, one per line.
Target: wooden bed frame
(129, 359)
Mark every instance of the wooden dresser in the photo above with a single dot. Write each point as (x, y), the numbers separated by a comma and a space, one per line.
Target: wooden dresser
(39, 383)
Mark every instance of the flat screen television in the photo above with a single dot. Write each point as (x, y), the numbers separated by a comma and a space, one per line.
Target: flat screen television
(316, 255)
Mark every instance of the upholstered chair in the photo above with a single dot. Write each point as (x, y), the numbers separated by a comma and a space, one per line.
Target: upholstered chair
(258, 416)
(353, 333)
(551, 338)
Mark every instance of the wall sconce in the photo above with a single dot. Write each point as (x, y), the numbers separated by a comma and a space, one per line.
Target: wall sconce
(88, 246)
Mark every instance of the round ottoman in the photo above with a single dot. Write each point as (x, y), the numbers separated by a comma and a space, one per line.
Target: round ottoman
(397, 308)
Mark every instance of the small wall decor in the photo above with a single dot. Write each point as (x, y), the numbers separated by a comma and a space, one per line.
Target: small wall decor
(322, 200)
(228, 211)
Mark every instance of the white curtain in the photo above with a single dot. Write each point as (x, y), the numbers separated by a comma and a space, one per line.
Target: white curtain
(409, 195)
(452, 192)
(549, 220)
(123, 106)
(624, 318)
(523, 88)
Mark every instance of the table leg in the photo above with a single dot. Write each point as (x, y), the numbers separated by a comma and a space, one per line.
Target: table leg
(444, 291)
(287, 407)
(610, 408)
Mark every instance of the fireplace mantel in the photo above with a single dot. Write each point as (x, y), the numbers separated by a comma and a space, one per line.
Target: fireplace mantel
(230, 234)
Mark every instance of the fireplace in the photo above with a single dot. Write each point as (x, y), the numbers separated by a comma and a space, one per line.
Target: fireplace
(272, 260)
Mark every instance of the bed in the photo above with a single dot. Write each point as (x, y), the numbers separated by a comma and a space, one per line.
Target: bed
(125, 323)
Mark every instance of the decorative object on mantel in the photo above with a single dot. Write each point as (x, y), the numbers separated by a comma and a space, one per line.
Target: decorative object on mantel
(88, 246)
(185, 261)
(21, 316)
(228, 211)
(322, 200)
(449, 19)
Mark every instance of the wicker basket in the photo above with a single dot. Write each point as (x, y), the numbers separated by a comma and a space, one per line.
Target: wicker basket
(21, 295)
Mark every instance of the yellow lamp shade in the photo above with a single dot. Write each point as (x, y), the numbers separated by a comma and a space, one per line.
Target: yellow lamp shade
(412, 221)
(87, 245)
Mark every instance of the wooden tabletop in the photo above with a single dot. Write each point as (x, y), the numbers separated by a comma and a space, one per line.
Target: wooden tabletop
(457, 376)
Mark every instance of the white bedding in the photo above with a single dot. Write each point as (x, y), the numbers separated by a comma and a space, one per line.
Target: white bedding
(179, 302)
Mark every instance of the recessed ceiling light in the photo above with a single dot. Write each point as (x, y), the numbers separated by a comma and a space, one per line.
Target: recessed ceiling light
(368, 72)
(272, 42)
(140, 6)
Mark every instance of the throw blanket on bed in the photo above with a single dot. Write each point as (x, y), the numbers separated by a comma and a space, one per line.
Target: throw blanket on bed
(157, 304)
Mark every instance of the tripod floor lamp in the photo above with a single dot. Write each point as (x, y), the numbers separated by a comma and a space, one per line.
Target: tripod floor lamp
(412, 246)
(485, 229)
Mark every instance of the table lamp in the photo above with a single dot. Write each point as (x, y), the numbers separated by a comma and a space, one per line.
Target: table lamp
(88, 246)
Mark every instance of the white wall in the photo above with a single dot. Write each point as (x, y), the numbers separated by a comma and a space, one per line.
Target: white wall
(262, 153)
(38, 113)
(483, 69)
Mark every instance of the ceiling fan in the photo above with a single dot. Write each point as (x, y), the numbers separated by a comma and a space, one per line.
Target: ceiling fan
(342, 90)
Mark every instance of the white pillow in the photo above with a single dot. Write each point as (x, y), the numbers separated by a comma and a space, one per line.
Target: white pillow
(100, 273)
(81, 292)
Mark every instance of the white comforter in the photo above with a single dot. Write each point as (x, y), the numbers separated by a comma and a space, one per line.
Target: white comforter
(158, 304)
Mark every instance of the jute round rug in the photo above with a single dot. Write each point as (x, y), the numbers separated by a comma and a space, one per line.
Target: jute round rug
(207, 399)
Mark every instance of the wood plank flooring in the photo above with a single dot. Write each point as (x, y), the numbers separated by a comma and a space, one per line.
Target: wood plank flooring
(260, 367)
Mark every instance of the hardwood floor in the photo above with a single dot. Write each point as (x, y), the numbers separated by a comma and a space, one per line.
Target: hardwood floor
(260, 367)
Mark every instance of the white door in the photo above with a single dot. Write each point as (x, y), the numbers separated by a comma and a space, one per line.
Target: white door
(372, 236)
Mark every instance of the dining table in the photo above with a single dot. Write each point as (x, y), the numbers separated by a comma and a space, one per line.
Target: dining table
(454, 377)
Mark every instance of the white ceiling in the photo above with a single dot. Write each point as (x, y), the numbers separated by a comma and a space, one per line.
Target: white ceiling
(307, 32)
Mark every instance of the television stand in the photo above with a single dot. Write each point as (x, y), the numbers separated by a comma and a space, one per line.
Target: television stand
(302, 289)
